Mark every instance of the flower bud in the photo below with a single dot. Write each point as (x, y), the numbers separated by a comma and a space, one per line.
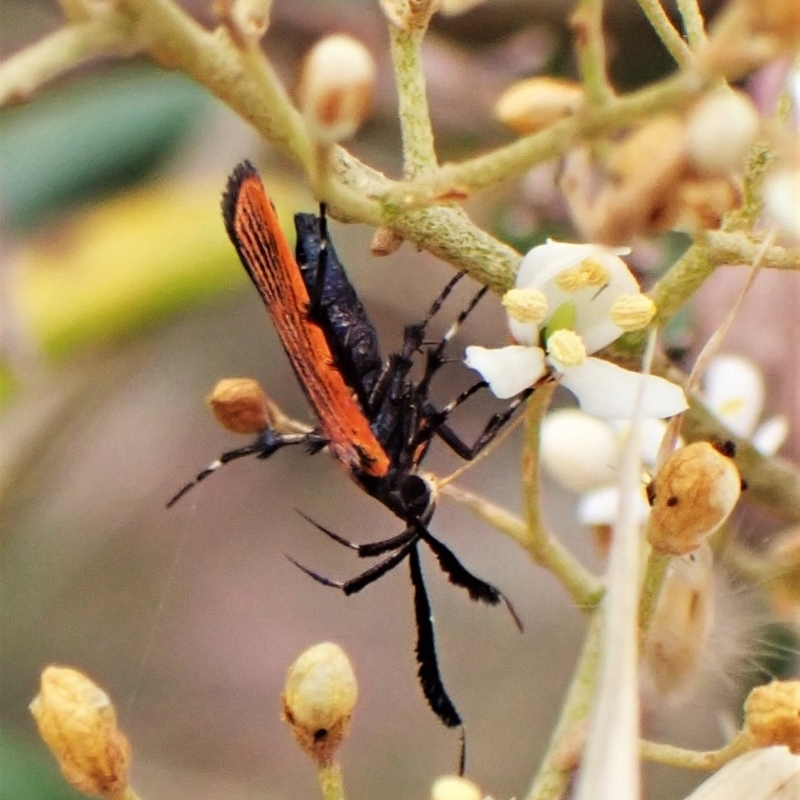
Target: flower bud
(782, 201)
(385, 241)
(720, 131)
(335, 89)
(77, 722)
(772, 715)
(240, 405)
(453, 787)
(532, 104)
(580, 451)
(692, 496)
(318, 700)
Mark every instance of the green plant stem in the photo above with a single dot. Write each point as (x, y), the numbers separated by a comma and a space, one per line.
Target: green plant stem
(419, 154)
(553, 777)
(24, 72)
(654, 574)
(545, 550)
(330, 781)
(693, 22)
(467, 177)
(587, 26)
(665, 30)
(710, 760)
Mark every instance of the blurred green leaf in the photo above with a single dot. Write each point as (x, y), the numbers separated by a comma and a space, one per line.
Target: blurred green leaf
(97, 134)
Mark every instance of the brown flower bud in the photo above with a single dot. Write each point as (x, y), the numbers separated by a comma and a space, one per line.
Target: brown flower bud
(318, 700)
(385, 241)
(77, 722)
(240, 405)
(772, 715)
(692, 496)
(335, 89)
(532, 104)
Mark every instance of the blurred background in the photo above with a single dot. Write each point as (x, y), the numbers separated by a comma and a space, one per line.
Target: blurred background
(122, 303)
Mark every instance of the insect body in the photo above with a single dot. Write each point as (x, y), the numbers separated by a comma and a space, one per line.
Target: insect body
(375, 420)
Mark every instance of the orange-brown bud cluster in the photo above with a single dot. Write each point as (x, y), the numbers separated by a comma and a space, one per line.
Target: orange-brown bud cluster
(772, 715)
(692, 496)
(77, 722)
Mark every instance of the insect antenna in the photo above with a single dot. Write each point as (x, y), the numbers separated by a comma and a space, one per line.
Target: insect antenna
(268, 442)
(459, 575)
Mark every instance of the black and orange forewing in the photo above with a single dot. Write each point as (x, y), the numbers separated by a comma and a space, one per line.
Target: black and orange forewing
(255, 231)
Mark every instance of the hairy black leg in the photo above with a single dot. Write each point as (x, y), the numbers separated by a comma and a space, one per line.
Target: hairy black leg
(365, 578)
(268, 442)
(429, 677)
(368, 549)
(459, 575)
(492, 428)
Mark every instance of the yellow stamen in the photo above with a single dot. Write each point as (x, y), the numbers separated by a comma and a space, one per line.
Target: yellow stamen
(590, 272)
(525, 305)
(566, 349)
(632, 312)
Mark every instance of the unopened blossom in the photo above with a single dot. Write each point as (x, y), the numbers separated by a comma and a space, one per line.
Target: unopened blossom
(318, 700)
(534, 103)
(239, 405)
(772, 715)
(782, 201)
(76, 720)
(336, 86)
(582, 285)
(692, 495)
(454, 787)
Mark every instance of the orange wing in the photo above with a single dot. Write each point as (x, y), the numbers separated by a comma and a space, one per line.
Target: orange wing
(256, 233)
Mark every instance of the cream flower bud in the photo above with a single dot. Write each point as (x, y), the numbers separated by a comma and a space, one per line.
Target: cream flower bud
(77, 722)
(318, 700)
(692, 496)
(566, 349)
(772, 715)
(632, 312)
(782, 201)
(453, 787)
(336, 85)
(525, 305)
(240, 405)
(532, 104)
(720, 131)
(580, 451)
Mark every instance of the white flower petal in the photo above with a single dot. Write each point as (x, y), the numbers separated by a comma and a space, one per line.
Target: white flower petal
(734, 392)
(609, 392)
(508, 370)
(772, 773)
(601, 507)
(579, 451)
(770, 435)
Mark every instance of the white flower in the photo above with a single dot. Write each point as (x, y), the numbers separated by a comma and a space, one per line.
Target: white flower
(570, 301)
(734, 392)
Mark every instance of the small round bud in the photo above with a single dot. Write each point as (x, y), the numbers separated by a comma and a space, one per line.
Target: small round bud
(453, 787)
(532, 104)
(692, 496)
(335, 89)
(580, 451)
(781, 193)
(525, 305)
(240, 405)
(632, 312)
(385, 241)
(318, 700)
(77, 722)
(772, 715)
(720, 131)
(566, 349)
